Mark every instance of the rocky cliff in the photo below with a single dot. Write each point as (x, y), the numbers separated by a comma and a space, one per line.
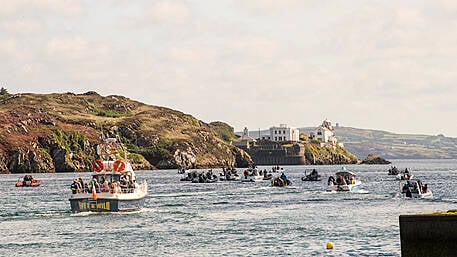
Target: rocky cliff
(59, 132)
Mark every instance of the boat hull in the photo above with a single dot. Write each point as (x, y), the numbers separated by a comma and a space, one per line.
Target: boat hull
(426, 195)
(346, 188)
(251, 178)
(105, 205)
(33, 183)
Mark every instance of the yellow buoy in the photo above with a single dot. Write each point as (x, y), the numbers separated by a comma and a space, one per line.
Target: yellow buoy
(329, 245)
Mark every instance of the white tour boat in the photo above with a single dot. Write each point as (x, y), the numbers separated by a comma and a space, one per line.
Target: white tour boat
(113, 186)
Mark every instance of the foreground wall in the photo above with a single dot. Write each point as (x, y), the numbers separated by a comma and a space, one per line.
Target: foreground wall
(428, 235)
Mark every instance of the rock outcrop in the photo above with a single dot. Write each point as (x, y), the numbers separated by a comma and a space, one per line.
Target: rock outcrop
(375, 159)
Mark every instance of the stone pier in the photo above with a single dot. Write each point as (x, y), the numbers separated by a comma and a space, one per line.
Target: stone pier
(428, 235)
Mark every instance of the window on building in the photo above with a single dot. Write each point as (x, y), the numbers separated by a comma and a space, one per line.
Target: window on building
(276, 138)
(276, 132)
(319, 133)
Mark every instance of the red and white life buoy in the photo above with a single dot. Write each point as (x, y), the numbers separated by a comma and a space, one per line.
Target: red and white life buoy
(98, 165)
(119, 165)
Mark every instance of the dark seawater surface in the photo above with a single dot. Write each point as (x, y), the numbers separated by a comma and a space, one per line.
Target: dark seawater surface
(225, 218)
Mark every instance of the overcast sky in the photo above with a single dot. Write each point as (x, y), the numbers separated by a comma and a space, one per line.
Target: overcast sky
(389, 65)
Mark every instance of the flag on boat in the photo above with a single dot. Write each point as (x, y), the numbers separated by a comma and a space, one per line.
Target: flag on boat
(94, 193)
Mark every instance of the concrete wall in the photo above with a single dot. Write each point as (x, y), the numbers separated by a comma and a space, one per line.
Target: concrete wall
(428, 235)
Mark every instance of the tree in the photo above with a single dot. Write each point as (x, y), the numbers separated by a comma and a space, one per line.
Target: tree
(3, 91)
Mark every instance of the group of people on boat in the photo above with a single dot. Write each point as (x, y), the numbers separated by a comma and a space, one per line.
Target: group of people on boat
(393, 170)
(201, 177)
(276, 168)
(28, 181)
(312, 176)
(125, 184)
(341, 180)
(281, 181)
(403, 175)
(416, 189)
(229, 174)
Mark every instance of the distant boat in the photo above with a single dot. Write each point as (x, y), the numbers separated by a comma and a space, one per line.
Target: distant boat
(281, 181)
(312, 176)
(393, 171)
(405, 175)
(345, 181)
(416, 189)
(28, 181)
(251, 175)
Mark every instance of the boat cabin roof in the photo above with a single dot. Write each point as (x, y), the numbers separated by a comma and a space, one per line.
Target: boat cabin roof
(345, 173)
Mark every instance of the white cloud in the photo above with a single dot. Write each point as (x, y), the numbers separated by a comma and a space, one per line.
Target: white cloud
(169, 11)
(68, 8)
(22, 26)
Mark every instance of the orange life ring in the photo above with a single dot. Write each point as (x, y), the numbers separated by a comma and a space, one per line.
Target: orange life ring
(98, 165)
(119, 165)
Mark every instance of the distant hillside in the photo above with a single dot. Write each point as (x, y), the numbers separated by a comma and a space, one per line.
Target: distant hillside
(58, 133)
(363, 142)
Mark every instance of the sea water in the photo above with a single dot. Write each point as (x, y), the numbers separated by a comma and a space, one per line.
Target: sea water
(224, 218)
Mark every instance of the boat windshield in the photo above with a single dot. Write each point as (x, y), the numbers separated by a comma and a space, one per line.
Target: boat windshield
(345, 173)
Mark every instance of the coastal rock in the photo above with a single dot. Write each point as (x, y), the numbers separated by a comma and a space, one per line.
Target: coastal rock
(375, 159)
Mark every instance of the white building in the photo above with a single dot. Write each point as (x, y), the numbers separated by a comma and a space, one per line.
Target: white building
(283, 133)
(324, 133)
(246, 137)
(245, 141)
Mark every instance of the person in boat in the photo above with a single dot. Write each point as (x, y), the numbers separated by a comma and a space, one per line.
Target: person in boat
(105, 186)
(246, 174)
(284, 178)
(80, 185)
(96, 185)
(123, 183)
(314, 173)
(408, 193)
(340, 180)
(74, 186)
(331, 181)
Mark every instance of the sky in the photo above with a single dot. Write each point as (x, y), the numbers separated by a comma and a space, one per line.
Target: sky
(388, 65)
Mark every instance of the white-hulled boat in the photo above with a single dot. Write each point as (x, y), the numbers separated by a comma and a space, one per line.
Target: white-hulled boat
(416, 189)
(113, 187)
(345, 181)
(251, 175)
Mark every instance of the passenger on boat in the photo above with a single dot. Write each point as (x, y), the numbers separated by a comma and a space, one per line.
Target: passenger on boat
(123, 182)
(284, 178)
(74, 186)
(105, 186)
(246, 174)
(94, 183)
(80, 185)
(340, 180)
(424, 188)
(331, 181)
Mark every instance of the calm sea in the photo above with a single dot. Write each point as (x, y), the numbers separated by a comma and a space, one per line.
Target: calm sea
(225, 218)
